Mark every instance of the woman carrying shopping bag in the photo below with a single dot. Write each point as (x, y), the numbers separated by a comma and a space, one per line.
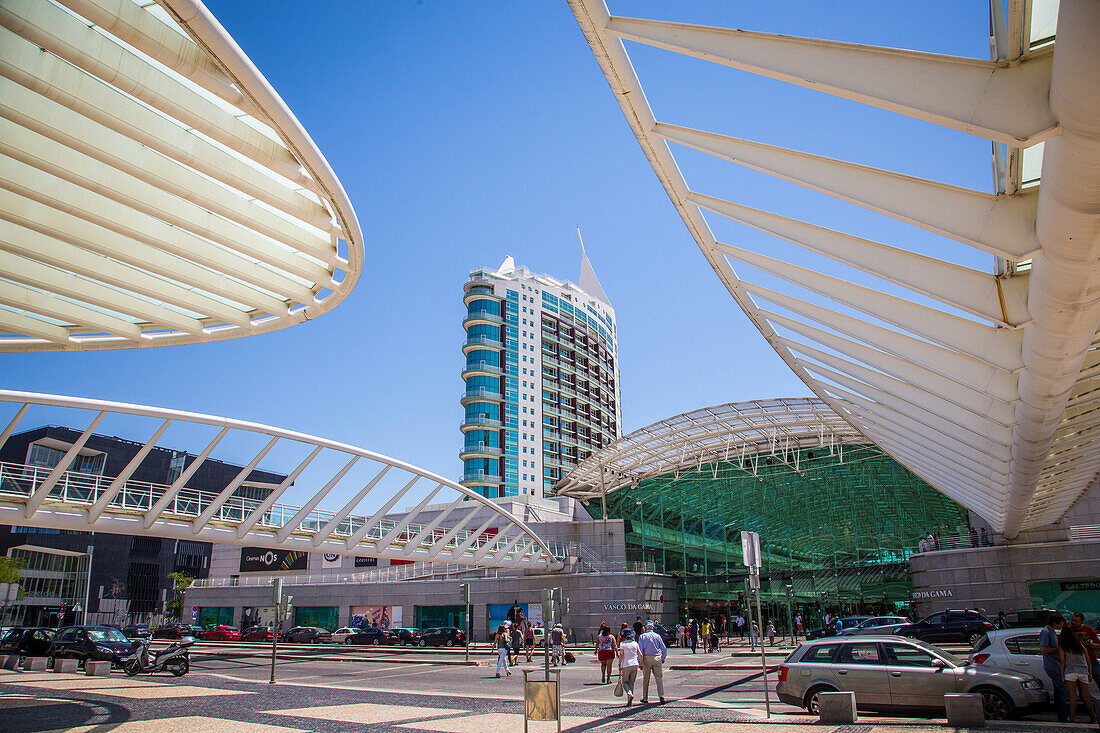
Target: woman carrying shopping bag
(630, 660)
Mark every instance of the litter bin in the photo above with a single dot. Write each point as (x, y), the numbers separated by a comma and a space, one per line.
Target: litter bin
(541, 697)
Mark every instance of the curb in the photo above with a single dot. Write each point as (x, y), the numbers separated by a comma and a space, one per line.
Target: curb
(321, 658)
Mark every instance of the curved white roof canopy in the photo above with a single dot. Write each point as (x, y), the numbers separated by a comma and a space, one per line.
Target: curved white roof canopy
(460, 527)
(983, 383)
(154, 189)
(727, 433)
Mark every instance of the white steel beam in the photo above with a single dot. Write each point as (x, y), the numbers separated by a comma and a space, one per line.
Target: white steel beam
(35, 500)
(112, 491)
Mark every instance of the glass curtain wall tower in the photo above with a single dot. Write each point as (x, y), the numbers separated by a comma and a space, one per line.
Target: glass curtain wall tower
(541, 375)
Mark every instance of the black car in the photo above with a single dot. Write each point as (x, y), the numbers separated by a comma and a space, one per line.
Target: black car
(307, 635)
(960, 627)
(831, 630)
(668, 636)
(446, 636)
(1028, 618)
(97, 643)
(371, 635)
(177, 631)
(407, 636)
(27, 641)
(137, 631)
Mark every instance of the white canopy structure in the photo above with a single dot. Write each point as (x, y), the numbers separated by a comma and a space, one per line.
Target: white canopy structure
(983, 383)
(737, 433)
(461, 527)
(154, 189)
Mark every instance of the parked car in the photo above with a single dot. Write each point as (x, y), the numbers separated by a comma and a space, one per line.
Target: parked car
(1016, 650)
(371, 635)
(307, 635)
(1029, 618)
(830, 630)
(667, 635)
(873, 625)
(342, 633)
(259, 633)
(959, 627)
(407, 636)
(890, 672)
(178, 631)
(445, 636)
(222, 633)
(137, 631)
(96, 643)
(28, 641)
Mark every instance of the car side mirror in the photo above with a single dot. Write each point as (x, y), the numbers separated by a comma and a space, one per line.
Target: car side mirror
(938, 663)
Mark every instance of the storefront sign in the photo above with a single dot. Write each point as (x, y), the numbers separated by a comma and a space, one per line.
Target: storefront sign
(331, 560)
(366, 562)
(926, 595)
(627, 606)
(1080, 585)
(261, 559)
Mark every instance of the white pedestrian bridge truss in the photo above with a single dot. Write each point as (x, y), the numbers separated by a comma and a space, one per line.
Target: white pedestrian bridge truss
(985, 383)
(448, 524)
(154, 189)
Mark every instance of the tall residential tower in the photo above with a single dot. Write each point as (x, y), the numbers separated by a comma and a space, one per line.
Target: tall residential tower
(542, 378)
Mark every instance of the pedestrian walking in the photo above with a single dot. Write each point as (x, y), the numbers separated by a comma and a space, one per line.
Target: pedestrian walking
(693, 634)
(1088, 638)
(984, 539)
(798, 625)
(754, 635)
(622, 631)
(681, 635)
(557, 644)
(654, 652)
(630, 661)
(739, 620)
(517, 642)
(1077, 672)
(638, 627)
(771, 633)
(606, 651)
(704, 631)
(1052, 663)
(502, 650)
(529, 641)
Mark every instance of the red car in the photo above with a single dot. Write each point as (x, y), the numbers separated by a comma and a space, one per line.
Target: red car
(260, 633)
(222, 633)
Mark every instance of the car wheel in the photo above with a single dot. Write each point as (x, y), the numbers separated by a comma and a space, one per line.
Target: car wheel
(812, 700)
(50, 661)
(314, 640)
(975, 638)
(450, 642)
(404, 642)
(423, 643)
(347, 641)
(997, 705)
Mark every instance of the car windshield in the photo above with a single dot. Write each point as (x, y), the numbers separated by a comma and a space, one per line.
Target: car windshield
(935, 651)
(106, 635)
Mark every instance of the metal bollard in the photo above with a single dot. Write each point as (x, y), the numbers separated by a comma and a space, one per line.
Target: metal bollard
(837, 708)
(9, 661)
(97, 669)
(965, 709)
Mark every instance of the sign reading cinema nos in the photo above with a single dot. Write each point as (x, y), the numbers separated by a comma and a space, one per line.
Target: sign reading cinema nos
(261, 559)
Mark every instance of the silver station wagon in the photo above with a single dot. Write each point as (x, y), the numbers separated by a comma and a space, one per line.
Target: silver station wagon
(891, 672)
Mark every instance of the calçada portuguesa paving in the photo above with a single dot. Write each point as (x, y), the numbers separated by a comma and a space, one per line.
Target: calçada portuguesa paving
(228, 692)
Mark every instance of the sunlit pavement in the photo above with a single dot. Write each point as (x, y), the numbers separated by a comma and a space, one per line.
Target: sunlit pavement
(230, 693)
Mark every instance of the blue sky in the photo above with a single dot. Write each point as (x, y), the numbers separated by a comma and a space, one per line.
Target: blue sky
(467, 131)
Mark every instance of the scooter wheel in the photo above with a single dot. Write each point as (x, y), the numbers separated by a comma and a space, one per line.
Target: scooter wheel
(132, 668)
(180, 668)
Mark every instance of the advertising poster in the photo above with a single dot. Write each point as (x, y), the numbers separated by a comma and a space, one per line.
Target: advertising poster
(331, 561)
(261, 559)
(498, 613)
(380, 616)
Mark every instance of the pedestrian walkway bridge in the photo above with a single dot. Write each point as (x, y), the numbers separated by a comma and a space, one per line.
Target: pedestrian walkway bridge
(470, 529)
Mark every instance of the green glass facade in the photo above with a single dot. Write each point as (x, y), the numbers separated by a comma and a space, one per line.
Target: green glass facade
(832, 523)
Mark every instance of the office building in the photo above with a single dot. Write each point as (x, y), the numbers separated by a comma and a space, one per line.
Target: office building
(542, 378)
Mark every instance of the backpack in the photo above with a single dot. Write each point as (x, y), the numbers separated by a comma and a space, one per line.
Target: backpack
(569, 658)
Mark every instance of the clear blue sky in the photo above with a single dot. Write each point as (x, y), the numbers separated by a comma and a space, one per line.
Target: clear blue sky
(465, 131)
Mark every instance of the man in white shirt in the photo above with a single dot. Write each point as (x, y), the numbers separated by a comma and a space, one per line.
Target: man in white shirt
(654, 652)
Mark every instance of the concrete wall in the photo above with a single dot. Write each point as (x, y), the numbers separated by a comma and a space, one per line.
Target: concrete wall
(996, 578)
(610, 597)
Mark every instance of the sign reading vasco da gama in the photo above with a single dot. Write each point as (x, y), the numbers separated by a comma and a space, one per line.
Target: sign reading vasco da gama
(261, 559)
(627, 606)
(922, 595)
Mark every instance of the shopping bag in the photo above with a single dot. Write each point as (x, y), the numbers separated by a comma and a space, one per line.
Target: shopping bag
(619, 686)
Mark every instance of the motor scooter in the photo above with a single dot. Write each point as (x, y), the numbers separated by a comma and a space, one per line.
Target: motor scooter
(175, 659)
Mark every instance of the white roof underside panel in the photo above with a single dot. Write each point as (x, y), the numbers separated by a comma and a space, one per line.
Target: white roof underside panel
(154, 189)
(976, 366)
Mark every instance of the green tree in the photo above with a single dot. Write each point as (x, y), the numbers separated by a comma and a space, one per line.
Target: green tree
(10, 570)
(182, 582)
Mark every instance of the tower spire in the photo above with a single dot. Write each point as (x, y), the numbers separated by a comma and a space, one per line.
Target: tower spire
(588, 281)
